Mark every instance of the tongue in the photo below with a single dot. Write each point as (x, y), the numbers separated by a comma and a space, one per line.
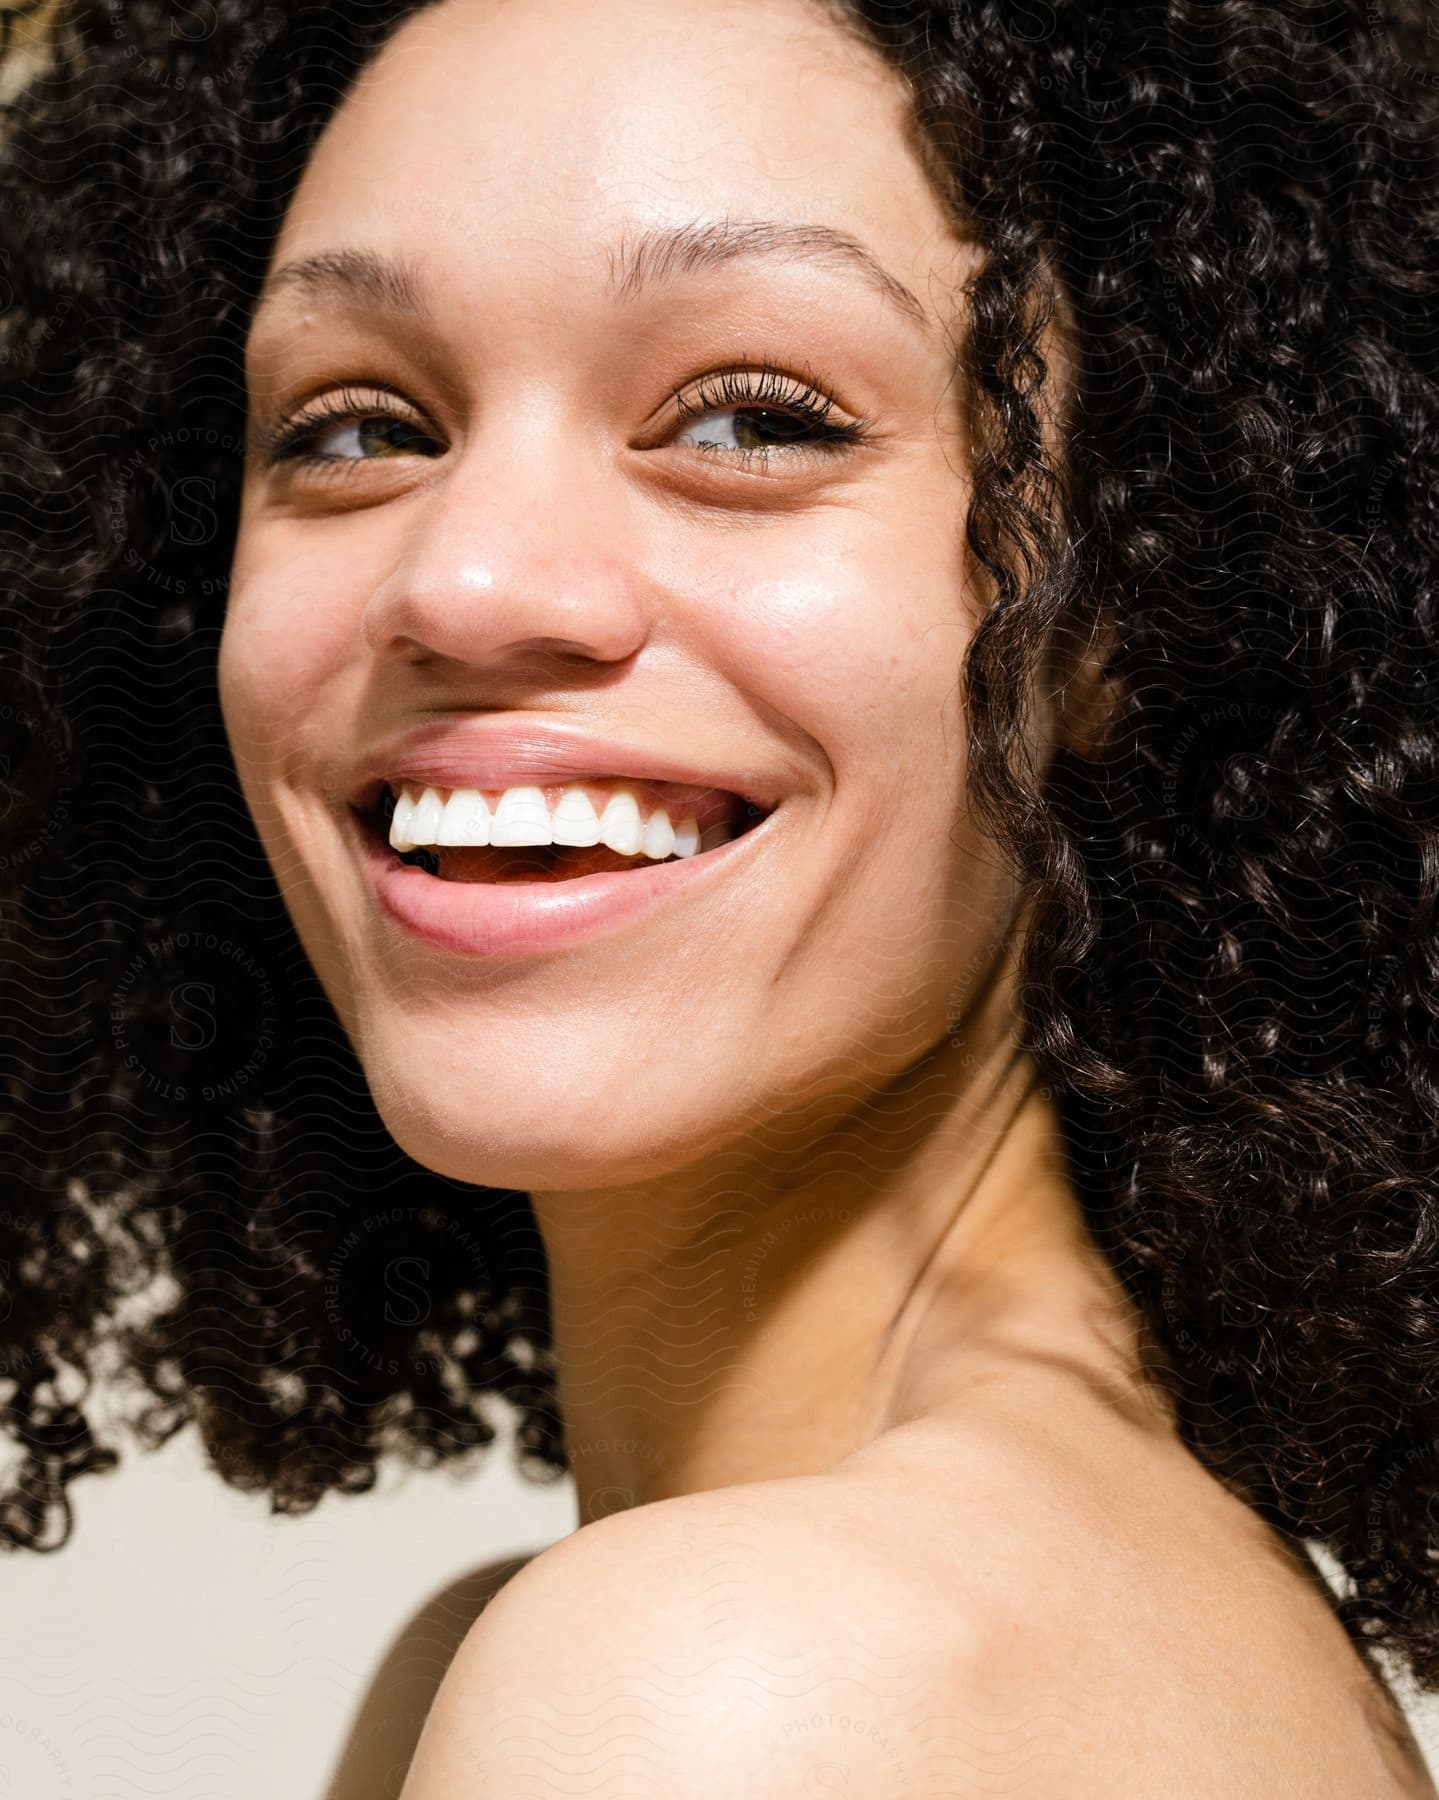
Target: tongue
(541, 862)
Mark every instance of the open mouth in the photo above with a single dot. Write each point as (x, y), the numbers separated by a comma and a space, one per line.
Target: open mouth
(628, 825)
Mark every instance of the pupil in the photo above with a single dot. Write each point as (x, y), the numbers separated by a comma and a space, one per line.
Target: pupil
(785, 423)
(381, 433)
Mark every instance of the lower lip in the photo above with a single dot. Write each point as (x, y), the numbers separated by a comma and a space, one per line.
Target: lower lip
(478, 918)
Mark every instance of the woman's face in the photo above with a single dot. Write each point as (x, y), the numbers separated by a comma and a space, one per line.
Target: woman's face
(527, 572)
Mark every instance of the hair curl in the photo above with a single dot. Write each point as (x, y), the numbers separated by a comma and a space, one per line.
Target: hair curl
(1232, 977)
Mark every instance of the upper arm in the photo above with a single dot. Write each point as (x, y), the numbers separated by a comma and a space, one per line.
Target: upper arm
(663, 1653)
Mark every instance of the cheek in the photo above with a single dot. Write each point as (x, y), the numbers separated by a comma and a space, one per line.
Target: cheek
(286, 636)
(860, 645)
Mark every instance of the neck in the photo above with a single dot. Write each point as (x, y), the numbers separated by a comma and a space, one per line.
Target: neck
(772, 1316)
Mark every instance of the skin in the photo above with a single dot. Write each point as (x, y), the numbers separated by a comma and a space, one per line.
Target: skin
(824, 1300)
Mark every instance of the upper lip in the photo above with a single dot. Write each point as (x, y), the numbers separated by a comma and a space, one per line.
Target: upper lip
(493, 751)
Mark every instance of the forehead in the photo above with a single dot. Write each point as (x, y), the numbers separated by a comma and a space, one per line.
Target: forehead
(533, 135)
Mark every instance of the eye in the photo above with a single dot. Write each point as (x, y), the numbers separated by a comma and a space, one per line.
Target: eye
(364, 419)
(772, 412)
(765, 428)
(379, 433)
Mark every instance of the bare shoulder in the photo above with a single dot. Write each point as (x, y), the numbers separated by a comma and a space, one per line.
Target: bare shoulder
(1004, 1614)
(741, 1642)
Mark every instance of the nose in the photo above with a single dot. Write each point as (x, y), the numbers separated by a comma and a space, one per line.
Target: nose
(510, 565)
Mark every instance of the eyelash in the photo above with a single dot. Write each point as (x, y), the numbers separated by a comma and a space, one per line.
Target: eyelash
(776, 391)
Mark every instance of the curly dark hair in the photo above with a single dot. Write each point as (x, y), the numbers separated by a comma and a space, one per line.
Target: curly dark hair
(1232, 977)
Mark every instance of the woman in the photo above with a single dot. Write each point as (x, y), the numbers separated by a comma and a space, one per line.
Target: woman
(824, 615)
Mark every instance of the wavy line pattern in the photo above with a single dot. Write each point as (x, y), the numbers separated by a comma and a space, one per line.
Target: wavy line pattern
(1231, 975)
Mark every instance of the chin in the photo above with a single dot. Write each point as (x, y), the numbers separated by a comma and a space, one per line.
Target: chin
(562, 1162)
(493, 1127)
(569, 1081)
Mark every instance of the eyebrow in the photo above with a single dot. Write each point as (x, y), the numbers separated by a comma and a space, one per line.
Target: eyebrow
(658, 256)
(665, 253)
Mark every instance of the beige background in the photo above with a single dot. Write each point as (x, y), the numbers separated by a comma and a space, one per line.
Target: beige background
(186, 1644)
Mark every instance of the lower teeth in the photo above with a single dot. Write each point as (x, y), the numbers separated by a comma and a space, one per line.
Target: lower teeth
(532, 863)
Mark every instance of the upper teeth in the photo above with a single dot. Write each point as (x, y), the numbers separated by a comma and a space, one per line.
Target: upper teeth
(521, 815)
